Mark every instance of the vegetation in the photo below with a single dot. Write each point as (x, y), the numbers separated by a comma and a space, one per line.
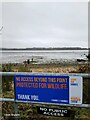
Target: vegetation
(50, 48)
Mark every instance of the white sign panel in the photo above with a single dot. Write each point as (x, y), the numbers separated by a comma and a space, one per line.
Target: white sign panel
(75, 91)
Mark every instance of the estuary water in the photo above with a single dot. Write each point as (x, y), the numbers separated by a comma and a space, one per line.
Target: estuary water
(41, 56)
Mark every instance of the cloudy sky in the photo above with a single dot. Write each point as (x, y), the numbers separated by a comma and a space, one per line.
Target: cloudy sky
(44, 24)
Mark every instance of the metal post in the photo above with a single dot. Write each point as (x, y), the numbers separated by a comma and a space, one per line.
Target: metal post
(16, 110)
(89, 91)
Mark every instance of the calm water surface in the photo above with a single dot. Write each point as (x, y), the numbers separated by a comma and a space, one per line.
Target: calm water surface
(41, 56)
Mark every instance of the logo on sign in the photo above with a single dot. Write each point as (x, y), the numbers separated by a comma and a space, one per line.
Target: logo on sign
(74, 82)
(75, 99)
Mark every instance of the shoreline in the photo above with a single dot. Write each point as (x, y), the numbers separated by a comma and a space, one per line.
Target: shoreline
(51, 67)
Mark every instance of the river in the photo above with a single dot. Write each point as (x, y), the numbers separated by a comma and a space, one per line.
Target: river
(41, 56)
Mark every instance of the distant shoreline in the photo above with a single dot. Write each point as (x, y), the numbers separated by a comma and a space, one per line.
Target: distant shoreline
(34, 48)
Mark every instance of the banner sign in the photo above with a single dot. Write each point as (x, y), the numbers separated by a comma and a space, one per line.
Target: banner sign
(48, 89)
(54, 112)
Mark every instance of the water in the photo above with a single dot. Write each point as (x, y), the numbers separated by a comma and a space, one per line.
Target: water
(42, 56)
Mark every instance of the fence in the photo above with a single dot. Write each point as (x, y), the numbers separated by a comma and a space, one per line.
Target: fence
(84, 75)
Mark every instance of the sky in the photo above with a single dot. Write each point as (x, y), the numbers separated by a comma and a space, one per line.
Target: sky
(39, 24)
(0, 24)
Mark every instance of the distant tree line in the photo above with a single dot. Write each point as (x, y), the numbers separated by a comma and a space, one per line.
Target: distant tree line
(50, 48)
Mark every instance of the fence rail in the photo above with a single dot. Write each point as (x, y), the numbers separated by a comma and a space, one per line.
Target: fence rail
(41, 73)
(68, 105)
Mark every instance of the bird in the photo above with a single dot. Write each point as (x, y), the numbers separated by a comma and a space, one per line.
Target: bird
(1, 28)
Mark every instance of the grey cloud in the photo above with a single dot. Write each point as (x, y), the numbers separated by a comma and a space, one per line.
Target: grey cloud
(45, 24)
